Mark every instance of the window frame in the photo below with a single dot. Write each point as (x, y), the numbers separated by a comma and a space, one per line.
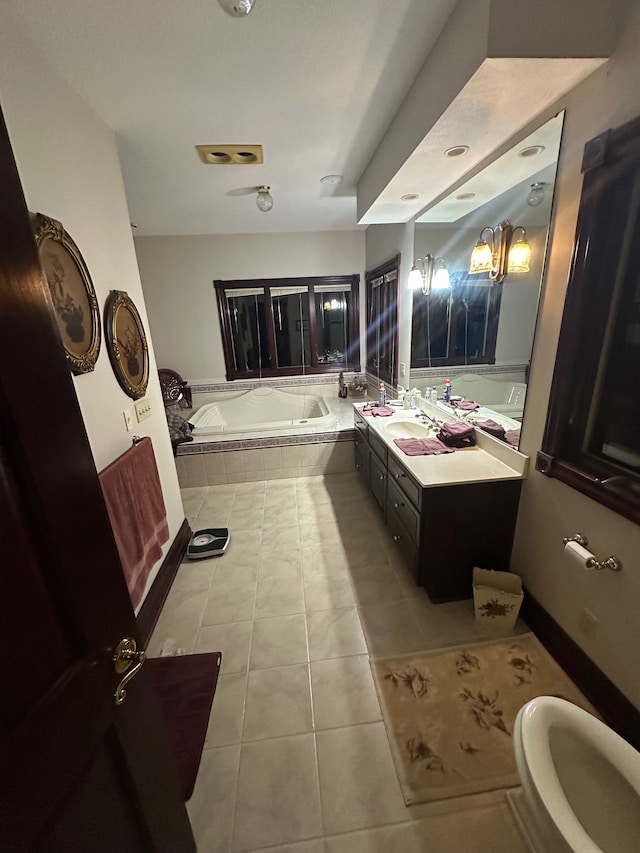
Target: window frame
(310, 283)
(390, 325)
(605, 205)
(494, 301)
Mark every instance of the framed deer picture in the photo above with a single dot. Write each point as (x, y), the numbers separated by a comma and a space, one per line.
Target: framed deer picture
(126, 344)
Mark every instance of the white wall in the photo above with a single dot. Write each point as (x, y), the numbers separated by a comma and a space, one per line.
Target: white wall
(178, 274)
(549, 509)
(70, 170)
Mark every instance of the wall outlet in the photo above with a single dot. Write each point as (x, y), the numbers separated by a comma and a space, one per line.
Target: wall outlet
(143, 409)
(128, 419)
(403, 368)
(588, 622)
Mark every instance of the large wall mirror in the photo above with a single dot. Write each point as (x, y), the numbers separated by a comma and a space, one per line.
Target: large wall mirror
(477, 329)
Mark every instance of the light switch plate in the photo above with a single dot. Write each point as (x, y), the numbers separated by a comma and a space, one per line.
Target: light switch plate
(403, 368)
(128, 419)
(143, 409)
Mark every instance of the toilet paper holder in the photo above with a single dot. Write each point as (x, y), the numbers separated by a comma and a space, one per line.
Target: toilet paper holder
(612, 563)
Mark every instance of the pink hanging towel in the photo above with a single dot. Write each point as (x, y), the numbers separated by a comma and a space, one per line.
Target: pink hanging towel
(133, 495)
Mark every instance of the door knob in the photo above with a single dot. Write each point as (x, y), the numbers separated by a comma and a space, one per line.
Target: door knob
(124, 656)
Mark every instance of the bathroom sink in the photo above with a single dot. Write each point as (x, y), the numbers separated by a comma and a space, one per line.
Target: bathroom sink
(408, 429)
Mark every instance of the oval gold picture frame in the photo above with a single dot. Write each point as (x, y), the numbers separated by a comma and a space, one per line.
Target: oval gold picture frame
(74, 298)
(126, 344)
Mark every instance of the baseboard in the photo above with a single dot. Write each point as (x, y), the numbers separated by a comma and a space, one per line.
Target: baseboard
(617, 711)
(157, 595)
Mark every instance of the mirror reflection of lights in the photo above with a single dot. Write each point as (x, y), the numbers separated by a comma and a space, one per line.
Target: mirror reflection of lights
(536, 194)
(333, 305)
(429, 273)
(501, 255)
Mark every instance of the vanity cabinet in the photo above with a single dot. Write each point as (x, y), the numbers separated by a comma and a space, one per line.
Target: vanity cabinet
(442, 532)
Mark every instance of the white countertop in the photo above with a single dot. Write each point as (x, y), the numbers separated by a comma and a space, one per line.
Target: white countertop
(491, 459)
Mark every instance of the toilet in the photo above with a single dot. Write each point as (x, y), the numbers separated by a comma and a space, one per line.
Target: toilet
(580, 781)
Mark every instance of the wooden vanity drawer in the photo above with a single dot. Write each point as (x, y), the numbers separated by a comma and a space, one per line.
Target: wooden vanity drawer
(360, 423)
(378, 446)
(399, 476)
(402, 539)
(361, 456)
(405, 511)
(378, 482)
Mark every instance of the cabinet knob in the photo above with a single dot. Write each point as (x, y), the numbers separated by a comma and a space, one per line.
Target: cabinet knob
(397, 538)
(398, 476)
(396, 505)
(382, 476)
(358, 466)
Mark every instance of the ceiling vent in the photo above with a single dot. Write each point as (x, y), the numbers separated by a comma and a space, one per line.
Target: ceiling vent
(230, 155)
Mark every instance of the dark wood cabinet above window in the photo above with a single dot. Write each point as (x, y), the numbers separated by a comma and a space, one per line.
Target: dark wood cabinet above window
(289, 326)
(592, 436)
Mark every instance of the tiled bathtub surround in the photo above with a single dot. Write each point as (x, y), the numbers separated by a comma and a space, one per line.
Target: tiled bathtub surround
(255, 459)
(296, 757)
(256, 456)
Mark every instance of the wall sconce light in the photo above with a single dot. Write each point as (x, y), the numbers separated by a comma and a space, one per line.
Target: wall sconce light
(499, 256)
(429, 273)
(263, 199)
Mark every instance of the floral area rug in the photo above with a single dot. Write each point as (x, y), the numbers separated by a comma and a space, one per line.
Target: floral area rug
(450, 713)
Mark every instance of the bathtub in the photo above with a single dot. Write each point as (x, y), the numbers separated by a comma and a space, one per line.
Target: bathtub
(263, 410)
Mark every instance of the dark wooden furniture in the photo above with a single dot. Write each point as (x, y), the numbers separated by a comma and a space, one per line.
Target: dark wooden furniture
(441, 532)
(175, 391)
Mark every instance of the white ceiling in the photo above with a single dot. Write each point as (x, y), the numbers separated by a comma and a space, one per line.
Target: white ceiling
(323, 85)
(316, 82)
(503, 174)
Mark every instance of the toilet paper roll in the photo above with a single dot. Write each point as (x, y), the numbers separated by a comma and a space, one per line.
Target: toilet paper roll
(579, 555)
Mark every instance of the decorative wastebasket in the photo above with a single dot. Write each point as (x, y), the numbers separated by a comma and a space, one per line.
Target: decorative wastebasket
(497, 597)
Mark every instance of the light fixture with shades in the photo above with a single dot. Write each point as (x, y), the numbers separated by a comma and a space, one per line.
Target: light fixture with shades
(429, 273)
(264, 199)
(501, 255)
(237, 8)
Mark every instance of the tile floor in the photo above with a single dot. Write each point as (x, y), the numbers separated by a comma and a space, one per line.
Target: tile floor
(296, 758)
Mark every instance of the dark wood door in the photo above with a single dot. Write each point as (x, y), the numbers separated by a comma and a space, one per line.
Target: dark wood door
(77, 772)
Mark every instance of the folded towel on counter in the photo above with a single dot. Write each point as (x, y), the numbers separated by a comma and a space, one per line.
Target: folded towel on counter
(512, 437)
(422, 446)
(467, 405)
(382, 411)
(492, 427)
(457, 435)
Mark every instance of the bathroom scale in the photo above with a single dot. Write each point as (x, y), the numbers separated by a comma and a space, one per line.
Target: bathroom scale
(211, 542)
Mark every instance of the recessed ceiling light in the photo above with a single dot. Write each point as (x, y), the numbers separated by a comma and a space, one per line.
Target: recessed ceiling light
(465, 196)
(331, 179)
(456, 151)
(531, 151)
(409, 197)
